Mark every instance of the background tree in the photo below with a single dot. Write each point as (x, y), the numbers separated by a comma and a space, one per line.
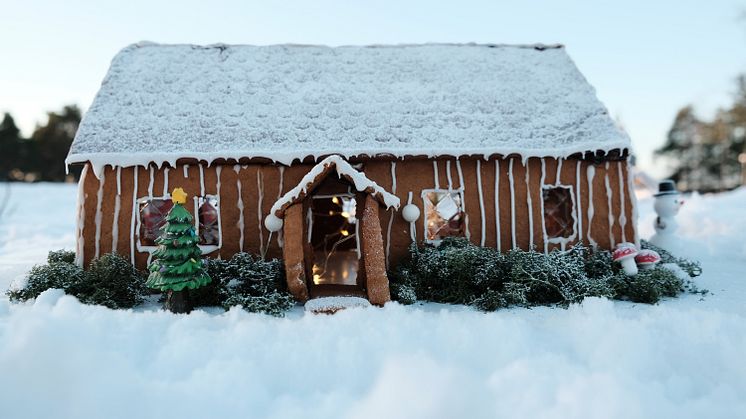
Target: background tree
(10, 144)
(51, 142)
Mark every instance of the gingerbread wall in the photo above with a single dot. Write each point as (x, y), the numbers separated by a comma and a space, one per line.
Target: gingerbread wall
(246, 193)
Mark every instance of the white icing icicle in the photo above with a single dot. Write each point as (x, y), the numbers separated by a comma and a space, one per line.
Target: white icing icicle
(260, 188)
(544, 237)
(134, 216)
(201, 180)
(391, 214)
(186, 171)
(590, 173)
(609, 195)
(481, 202)
(239, 204)
(309, 223)
(512, 203)
(151, 181)
(117, 209)
(436, 175)
(412, 229)
(448, 175)
(99, 215)
(559, 171)
(463, 201)
(79, 259)
(622, 206)
(530, 208)
(633, 198)
(497, 203)
(279, 195)
(579, 203)
(165, 181)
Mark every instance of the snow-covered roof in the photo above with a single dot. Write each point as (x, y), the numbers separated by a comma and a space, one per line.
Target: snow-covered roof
(160, 103)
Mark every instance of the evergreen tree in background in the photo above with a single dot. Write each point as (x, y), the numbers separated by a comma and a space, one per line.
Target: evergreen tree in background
(178, 266)
(10, 143)
(704, 155)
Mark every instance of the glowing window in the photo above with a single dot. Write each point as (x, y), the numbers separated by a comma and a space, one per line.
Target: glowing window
(558, 211)
(152, 217)
(208, 228)
(444, 214)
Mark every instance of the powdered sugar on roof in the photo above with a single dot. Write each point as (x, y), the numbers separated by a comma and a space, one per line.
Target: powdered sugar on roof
(160, 103)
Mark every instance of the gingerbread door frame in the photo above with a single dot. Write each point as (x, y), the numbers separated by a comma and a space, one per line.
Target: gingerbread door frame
(290, 208)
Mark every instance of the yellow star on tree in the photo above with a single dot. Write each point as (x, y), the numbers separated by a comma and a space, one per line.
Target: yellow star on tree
(178, 196)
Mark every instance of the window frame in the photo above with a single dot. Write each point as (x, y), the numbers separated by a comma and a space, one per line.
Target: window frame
(144, 248)
(573, 214)
(423, 195)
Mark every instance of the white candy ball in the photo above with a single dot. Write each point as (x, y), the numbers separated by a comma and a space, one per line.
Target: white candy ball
(410, 213)
(273, 223)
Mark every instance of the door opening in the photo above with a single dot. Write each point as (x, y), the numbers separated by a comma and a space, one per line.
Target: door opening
(334, 237)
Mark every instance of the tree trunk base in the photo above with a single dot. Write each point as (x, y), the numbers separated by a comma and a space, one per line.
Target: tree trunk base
(178, 301)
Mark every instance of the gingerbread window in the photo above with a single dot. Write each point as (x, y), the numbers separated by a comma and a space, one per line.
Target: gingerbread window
(444, 214)
(152, 218)
(208, 227)
(558, 211)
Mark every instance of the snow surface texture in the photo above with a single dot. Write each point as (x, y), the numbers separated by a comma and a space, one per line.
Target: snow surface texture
(333, 304)
(159, 103)
(680, 359)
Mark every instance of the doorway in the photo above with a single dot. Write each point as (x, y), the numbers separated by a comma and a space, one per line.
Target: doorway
(333, 234)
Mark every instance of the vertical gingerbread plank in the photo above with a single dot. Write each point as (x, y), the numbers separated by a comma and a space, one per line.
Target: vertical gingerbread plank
(374, 258)
(293, 253)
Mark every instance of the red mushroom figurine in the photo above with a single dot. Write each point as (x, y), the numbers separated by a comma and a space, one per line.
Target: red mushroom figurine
(647, 259)
(625, 254)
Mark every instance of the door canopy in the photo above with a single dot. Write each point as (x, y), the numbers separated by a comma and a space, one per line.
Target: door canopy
(344, 170)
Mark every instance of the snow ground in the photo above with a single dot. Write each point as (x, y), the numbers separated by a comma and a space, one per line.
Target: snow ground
(682, 358)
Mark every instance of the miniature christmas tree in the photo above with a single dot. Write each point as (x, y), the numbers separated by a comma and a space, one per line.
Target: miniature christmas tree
(177, 266)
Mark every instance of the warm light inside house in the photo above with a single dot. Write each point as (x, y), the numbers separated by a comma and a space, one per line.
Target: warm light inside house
(334, 240)
(444, 214)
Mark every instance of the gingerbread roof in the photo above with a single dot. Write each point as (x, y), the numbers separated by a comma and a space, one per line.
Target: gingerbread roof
(160, 103)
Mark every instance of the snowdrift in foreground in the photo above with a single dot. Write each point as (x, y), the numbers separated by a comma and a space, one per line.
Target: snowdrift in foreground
(682, 358)
(60, 358)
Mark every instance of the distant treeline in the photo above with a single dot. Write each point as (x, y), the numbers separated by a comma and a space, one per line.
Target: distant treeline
(42, 156)
(709, 156)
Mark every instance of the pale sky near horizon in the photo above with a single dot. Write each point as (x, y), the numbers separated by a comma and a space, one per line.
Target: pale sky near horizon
(646, 59)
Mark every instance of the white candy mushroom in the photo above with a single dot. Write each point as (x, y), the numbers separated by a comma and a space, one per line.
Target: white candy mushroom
(410, 213)
(647, 259)
(273, 223)
(625, 254)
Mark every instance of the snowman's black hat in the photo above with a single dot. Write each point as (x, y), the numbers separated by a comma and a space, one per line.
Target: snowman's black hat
(667, 187)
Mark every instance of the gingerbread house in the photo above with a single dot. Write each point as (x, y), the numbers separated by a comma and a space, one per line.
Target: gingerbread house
(337, 159)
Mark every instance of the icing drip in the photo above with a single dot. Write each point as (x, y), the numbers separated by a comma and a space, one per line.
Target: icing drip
(260, 188)
(481, 201)
(239, 204)
(151, 181)
(633, 198)
(81, 217)
(530, 209)
(309, 222)
(622, 206)
(544, 237)
(512, 203)
(579, 203)
(201, 180)
(391, 214)
(559, 171)
(463, 202)
(609, 194)
(435, 174)
(186, 171)
(412, 229)
(136, 169)
(99, 215)
(117, 209)
(448, 175)
(279, 195)
(165, 181)
(497, 203)
(590, 173)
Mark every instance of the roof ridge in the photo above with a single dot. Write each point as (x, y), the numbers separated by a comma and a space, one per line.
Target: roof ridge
(537, 46)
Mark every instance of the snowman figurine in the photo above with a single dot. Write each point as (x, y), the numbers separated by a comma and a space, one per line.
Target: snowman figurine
(666, 205)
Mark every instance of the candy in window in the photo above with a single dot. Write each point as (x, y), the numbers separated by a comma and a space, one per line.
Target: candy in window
(209, 226)
(558, 211)
(152, 217)
(444, 214)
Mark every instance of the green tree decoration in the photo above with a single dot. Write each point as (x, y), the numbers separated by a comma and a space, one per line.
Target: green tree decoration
(177, 266)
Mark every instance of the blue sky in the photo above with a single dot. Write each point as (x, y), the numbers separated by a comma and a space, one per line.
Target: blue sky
(645, 58)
